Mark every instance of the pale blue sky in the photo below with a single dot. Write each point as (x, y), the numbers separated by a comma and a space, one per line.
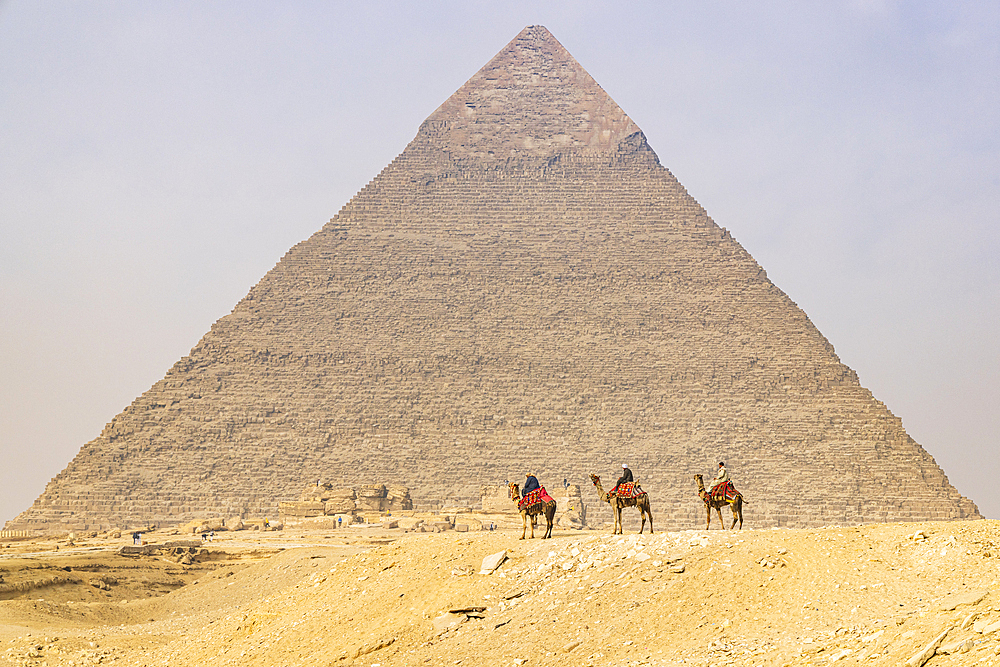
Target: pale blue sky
(156, 159)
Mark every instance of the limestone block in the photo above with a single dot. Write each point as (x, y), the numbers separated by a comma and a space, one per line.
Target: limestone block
(496, 499)
(339, 506)
(298, 509)
(492, 562)
(366, 491)
(410, 523)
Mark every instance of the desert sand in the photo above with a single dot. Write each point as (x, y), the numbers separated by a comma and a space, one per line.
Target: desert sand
(860, 595)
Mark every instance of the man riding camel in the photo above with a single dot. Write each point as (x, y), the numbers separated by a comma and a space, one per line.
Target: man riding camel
(720, 482)
(530, 484)
(626, 477)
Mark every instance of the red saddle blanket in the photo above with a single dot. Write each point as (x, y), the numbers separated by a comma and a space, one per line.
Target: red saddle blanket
(535, 497)
(726, 492)
(628, 490)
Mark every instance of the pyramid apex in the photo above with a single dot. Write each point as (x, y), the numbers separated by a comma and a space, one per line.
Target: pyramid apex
(533, 99)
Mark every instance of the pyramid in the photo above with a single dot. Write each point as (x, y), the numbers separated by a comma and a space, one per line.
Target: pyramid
(524, 288)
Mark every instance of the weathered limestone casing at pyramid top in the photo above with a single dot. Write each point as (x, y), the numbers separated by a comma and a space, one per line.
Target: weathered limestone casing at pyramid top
(524, 287)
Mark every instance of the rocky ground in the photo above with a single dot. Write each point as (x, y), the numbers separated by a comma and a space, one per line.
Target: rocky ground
(868, 595)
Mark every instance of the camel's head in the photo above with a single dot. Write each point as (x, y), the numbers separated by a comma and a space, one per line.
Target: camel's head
(514, 490)
(698, 478)
(595, 479)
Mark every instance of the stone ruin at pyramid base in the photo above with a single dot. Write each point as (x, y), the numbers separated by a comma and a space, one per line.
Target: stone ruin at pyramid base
(525, 288)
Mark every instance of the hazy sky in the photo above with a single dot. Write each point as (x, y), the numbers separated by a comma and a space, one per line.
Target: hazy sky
(158, 158)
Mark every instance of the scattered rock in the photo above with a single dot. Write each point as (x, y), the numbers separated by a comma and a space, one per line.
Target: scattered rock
(989, 628)
(969, 619)
(927, 652)
(958, 599)
(960, 646)
(448, 621)
(572, 645)
(371, 648)
(492, 562)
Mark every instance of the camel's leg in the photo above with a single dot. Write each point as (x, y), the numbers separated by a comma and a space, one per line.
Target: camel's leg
(618, 520)
(532, 527)
(721, 521)
(734, 516)
(649, 512)
(524, 524)
(708, 523)
(739, 508)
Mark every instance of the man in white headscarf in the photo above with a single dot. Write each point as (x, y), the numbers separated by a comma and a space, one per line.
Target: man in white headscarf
(626, 477)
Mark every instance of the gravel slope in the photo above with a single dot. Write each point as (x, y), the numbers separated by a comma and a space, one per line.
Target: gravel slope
(871, 595)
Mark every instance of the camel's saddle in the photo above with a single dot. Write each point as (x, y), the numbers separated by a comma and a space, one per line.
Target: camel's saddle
(537, 497)
(723, 493)
(628, 490)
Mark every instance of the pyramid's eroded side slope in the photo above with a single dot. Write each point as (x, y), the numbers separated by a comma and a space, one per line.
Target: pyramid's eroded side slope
(523, 288)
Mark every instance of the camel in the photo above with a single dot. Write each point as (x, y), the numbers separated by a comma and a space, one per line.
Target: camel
(547, 509)
(641, 502)
(737, 505)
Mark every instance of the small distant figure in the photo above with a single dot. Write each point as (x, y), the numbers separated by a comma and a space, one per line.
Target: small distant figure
(340, 520)
(565, 483)
(267, 524)
(722, 492)
(137, 538)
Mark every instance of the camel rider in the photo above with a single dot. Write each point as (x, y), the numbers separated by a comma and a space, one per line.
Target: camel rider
(626, 477)
(719, 482)
(530, 484)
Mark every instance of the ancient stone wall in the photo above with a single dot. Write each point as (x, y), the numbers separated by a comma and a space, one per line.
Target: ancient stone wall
(495, 499)
(524, 288)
